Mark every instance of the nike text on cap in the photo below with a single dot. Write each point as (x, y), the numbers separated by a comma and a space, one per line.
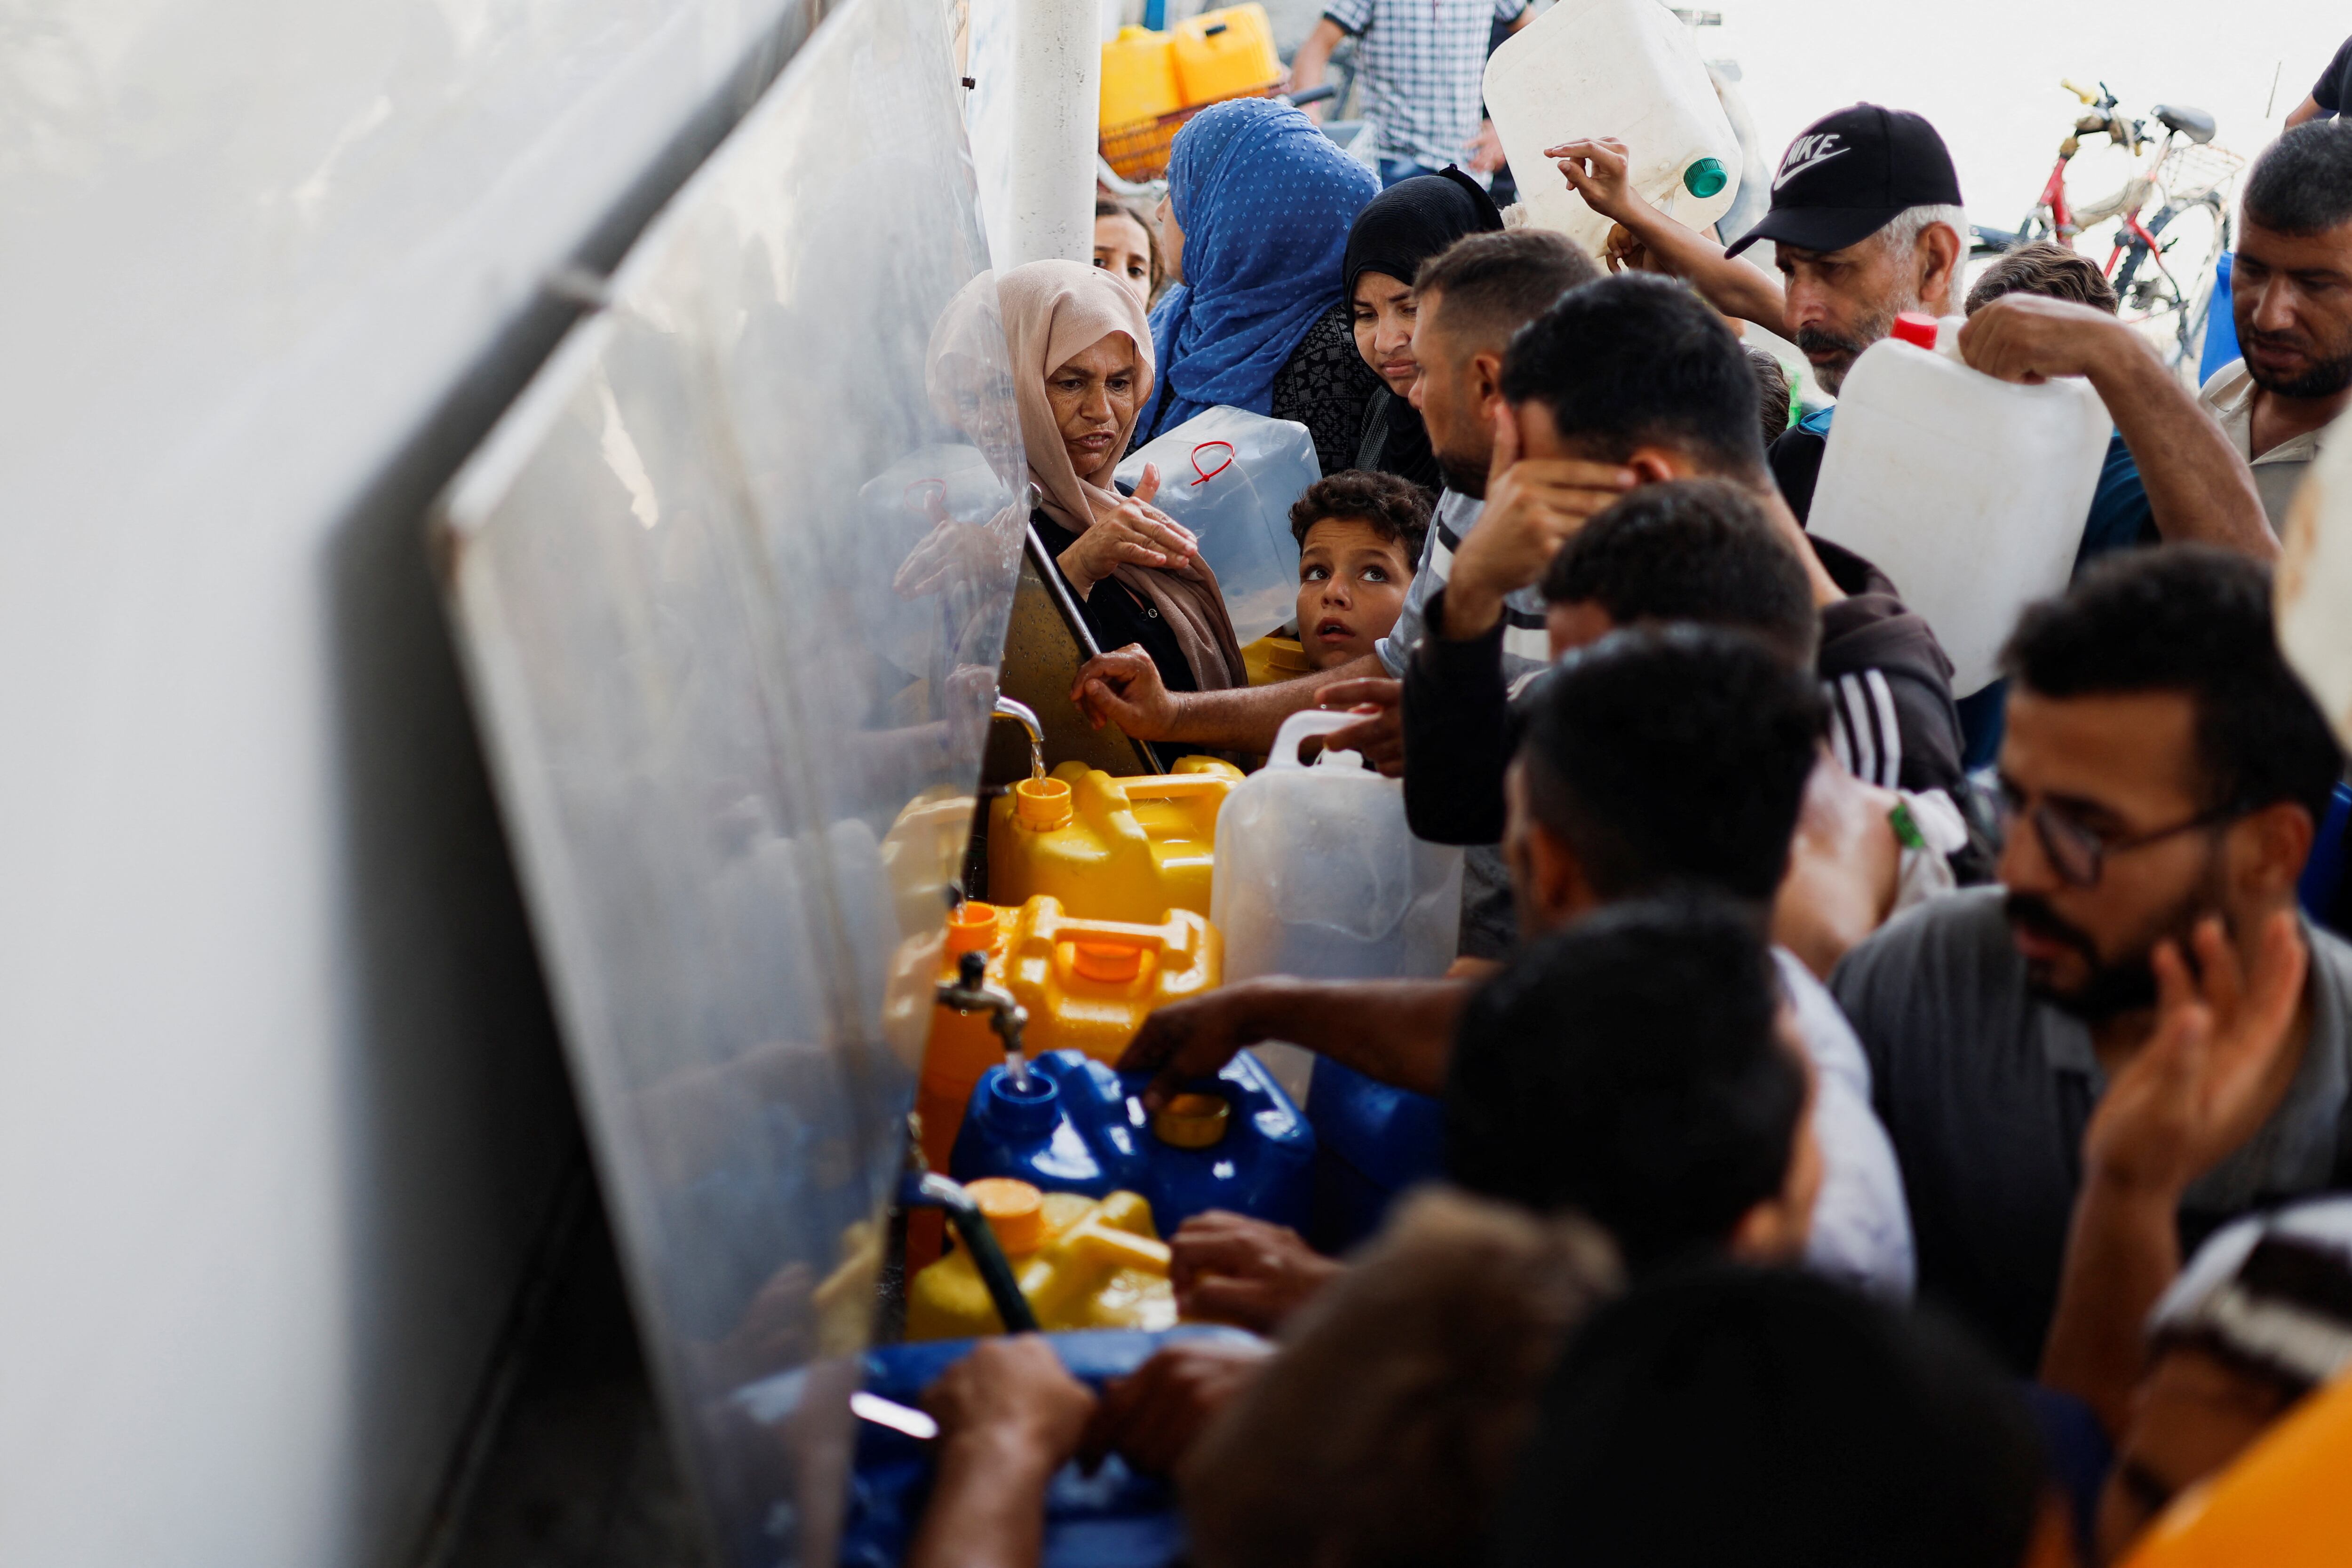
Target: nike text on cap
(1849, 173)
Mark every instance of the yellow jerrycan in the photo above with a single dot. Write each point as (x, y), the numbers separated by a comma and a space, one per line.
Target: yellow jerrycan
(1225, 54)
(1110, 849)
(1088, 985)
(1082, 1263)
(1139, 77)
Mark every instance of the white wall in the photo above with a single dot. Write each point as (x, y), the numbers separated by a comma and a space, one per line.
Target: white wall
(279, 1105)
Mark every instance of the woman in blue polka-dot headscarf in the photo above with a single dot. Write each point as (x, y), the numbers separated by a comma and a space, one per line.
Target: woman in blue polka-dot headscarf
(1262, 200)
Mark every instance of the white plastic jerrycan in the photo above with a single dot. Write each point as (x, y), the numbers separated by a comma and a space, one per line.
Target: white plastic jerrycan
(1318, 875)
(2314, 582)
(1968, 491)
(1230, 476)
(1623, 68)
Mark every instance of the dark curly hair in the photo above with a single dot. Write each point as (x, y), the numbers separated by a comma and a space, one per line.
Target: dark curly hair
(1397, 508)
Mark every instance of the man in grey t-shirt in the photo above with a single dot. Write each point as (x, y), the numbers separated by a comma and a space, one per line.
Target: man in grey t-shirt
(2161, 765)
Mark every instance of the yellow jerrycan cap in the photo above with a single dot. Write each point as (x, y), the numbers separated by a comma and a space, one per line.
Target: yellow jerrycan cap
(1015, 1210)
(1193, 1121)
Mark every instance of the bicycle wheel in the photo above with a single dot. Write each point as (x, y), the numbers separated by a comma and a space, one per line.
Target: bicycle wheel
(2167, 292)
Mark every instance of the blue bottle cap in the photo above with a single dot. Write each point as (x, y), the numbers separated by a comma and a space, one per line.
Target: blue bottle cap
(1704, 178)
(1007, 1110)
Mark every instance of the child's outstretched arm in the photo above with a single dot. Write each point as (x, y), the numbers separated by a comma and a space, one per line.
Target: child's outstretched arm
(1597, 171)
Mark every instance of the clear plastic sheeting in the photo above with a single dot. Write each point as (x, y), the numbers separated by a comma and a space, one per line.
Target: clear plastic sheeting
(731, 580)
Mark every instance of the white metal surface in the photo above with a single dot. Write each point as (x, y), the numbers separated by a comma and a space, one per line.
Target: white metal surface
(279, 1110)
(732, 580)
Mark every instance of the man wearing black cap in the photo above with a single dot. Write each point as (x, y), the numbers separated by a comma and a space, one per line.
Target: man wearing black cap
(1866, 221)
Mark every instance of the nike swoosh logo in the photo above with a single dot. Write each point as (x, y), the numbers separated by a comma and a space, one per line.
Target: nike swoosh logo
(1808, 154)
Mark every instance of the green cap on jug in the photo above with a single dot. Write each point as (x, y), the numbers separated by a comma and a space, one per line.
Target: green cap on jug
(1704, 178)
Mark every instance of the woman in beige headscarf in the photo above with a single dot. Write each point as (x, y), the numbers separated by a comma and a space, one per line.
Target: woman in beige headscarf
(1081, 375)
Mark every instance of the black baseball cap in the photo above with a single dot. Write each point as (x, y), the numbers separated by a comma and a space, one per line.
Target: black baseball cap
(1848, 173)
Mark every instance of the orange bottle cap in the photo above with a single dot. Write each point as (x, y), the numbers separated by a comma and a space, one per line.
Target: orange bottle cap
(1193, 1121)
(972, 927)
(1110, 962)
(1042, 803)
(1013, 1209)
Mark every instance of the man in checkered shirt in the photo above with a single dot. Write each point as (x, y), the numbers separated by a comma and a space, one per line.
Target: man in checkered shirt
(1419, 63)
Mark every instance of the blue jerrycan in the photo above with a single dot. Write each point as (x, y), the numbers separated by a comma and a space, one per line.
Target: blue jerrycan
(1235, 1142)
(1114, 1518)
(1373, 1142)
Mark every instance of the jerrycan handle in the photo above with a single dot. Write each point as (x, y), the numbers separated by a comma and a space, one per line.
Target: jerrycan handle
(1298, 726)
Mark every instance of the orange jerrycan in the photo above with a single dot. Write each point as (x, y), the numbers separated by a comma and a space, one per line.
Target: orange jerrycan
(1110, 849)
(2285, 1502)
(1082, 1263)
(961, 1045)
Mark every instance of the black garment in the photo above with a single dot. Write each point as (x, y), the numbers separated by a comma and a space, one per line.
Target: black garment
(1460, 730)
(1795, 459)
(1411, 221)
(1401, 227)
(2332, 91)
(1985, 1091)
(1324, 385)
(1889, 686)
(1116, 616)
(1396, 442)
(1876, 658)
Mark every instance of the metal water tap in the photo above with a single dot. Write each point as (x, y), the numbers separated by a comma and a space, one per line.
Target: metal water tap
(1022, 714)
(969, 992)
(1026, 717)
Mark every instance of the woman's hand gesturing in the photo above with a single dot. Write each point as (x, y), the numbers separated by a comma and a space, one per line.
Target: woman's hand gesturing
(1133, 533)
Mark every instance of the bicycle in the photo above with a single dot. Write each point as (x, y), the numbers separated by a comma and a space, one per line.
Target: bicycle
(2162, 266)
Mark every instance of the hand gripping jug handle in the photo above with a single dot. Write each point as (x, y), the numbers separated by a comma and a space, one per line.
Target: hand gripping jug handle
(1298, 726)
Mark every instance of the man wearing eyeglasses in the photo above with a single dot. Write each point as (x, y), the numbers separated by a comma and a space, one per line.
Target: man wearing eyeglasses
(2162, 765)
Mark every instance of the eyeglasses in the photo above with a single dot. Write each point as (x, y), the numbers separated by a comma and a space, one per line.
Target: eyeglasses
(2079, 854)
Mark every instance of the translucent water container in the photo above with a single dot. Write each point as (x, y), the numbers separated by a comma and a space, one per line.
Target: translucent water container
(1622, 68)
(1230, 476)
(1318, 875)
(1082, 1263)
(1235, 1142)
(1970, 492)
(1110, 849)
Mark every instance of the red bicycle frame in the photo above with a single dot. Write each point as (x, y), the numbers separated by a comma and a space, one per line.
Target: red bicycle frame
(2132, 229)
(2062, 219)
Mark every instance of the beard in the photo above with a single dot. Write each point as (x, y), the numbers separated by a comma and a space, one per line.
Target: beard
(2111, 987)
(2325, 373)
(1465, 474)
(1866, 331)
